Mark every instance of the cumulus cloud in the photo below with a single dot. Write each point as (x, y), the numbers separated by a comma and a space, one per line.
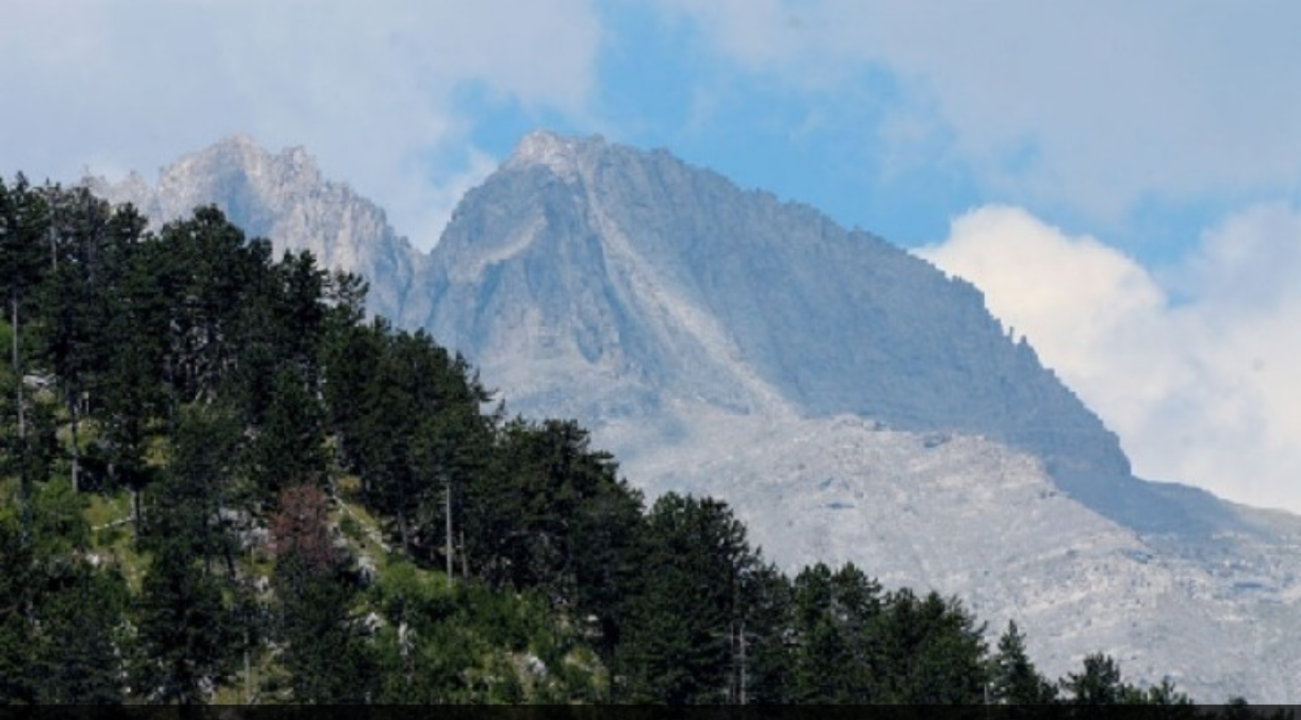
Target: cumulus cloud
(1201, 390)
(370, 88)
(1090, 106)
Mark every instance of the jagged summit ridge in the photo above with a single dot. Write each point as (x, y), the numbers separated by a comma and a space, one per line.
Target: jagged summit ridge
(283, 197)
(561, 155)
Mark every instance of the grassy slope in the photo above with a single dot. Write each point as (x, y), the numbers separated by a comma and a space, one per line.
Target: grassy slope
(111, 540)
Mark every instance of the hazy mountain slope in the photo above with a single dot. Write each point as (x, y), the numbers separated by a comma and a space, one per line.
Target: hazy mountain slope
(285, 199)
(973, 518)
(581, 257)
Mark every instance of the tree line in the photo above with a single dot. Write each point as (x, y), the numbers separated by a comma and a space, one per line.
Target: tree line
(319, 507)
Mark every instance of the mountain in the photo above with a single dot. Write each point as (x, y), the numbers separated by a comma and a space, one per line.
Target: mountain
(847, 398)
(582, 258)
(283, 198)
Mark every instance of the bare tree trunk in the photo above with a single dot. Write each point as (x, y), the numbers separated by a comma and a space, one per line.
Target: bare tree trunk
(74, 410)
(248, 671)
(171, 395)
(18, 370)
(135, 514)
(24, 481)
(465, 557)
(402, 528)
(447, 519)
(404, 648)
(745, 680)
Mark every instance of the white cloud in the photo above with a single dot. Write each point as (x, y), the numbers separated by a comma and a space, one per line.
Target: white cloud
(1091, 106)
(1204, 391)
(370, 88)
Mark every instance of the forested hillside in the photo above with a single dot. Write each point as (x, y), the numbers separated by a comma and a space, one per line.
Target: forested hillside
(221, 483)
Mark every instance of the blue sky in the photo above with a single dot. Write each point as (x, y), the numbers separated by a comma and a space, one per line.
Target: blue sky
(1122, 179)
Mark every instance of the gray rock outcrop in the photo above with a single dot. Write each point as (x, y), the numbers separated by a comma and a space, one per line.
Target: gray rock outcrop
(283, 198)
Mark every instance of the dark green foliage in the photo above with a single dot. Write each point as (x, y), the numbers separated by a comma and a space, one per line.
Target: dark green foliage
(452, 644)
(1164, 693)
(187, 636)
(553, 515)
(325, 647)
(289, 448)
(351, 354)
(206, 271)
(17, 595)
(836, 621)
(422, 436)
(198, 484)
(853, 643)
(1013, 677)
(326, 650)
(41, 449)
(24, 226)
(75, 346)
(605, 559)
(81, 639)
(24, 238)
(131, 390)
(62, 623)
(58, 527)
(937, 648)
(280, 325)
(681, 642)
(1098, 683)
(764, 671)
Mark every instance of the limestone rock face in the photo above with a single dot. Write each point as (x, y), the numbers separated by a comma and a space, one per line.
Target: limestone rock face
(847, 398)
(599, 281)
(283, 198)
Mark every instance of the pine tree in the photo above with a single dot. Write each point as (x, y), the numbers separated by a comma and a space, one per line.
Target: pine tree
(289, 449)
(326, 651)
(198, 486)
(24, 225)
(1013, 678)
(765, 667)
(134, 390)
(208, 267)
(74, 316)
(1099, 682)
(1163, 693)
(680, 646)
(17, 583)
(823, 664)
(186, 643)
(80, 642)
(349, 353)
(606, 561)
(59, 528)
(304, 311)
(933, 651)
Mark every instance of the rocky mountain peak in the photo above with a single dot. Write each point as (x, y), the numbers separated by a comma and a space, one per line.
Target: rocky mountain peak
(284, 197)
(238, 160)
(564, 156)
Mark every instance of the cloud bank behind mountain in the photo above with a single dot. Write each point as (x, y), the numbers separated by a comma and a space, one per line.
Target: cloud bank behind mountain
(1193, 366)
